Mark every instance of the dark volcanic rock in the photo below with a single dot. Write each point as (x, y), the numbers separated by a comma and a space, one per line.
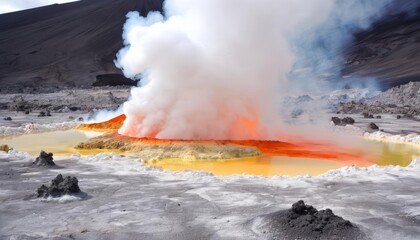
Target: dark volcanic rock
(60, 186)
(7, 119)
(342, 121)
(305, 222)
(44, 160)
(367, 115)
(113, 80)
(44, 114)
(373, 126)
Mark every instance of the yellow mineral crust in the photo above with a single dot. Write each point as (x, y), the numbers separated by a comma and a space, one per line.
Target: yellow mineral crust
(153, 150)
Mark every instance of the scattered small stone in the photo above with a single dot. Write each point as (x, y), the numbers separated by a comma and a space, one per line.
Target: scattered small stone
(59, 186)
(71, 117)
(73, 109)
(367, 115)
(44, 160)
(378, 117)
(398, 116)
(44, 114)
(373, 126)
(27, 112)
(81, 119)
(7, 119)
(4, 148)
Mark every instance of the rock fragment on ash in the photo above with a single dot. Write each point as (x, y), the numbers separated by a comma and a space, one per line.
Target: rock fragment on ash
(373, 126)
(44, 114)
(367, 115)
(60, 186)
(7, 119)
(306, 222)
(44, 160)
(342, 121)
(4, 148)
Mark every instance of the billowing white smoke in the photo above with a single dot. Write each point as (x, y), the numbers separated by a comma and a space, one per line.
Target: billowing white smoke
(320, 50)
(212, 69)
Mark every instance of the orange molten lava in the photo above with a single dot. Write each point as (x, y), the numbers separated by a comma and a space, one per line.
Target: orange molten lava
(298, 148)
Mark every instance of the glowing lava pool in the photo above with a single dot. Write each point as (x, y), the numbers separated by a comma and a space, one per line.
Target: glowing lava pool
(277, 158)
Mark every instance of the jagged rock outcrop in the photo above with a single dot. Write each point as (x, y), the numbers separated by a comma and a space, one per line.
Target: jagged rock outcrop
(44, 160)
(404, 100)
(59, 186)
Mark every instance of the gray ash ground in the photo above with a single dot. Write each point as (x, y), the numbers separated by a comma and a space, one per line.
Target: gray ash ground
(128, 200)
(76, 105)
(306, 222)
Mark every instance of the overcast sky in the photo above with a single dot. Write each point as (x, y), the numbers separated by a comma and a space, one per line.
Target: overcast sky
(16, 5)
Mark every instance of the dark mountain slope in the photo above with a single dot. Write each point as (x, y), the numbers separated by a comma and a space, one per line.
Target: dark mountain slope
(63, 44)
(74, 45)
(389, 50)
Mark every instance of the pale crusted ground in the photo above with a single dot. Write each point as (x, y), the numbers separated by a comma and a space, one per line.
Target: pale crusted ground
(127, 200)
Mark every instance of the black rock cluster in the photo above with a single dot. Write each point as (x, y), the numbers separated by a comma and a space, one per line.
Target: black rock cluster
(44, 114)
(373, 126)
(342, 121)
(60, 186)
(308, 216)
(306, 222)
(44, 160)
(367, 115)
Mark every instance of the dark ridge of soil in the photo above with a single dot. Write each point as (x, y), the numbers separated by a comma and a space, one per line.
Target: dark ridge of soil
(64, 45)
(113, 80)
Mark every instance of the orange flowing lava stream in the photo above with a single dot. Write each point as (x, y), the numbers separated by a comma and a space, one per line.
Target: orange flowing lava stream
(295, 148)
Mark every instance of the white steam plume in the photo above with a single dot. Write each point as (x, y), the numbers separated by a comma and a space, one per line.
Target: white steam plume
(214, 69)
(319, 50)
(218, 69)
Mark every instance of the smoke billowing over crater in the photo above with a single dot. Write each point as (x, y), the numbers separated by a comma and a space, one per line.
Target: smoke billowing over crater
(211, 70)
(220, 70)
